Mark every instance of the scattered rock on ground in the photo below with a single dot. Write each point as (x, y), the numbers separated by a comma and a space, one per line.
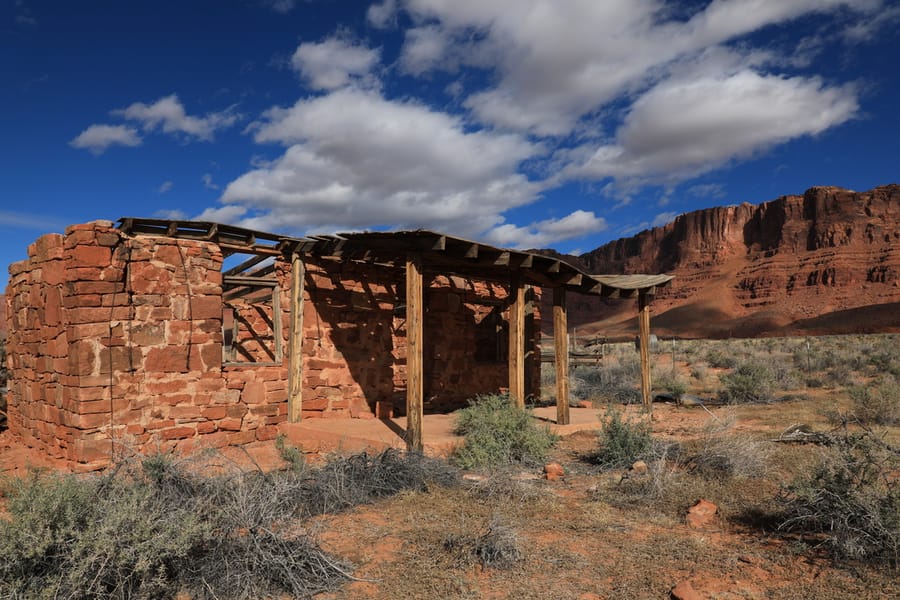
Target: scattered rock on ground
(702, 514)
(685, 591)
(639, 468)
(554, 471)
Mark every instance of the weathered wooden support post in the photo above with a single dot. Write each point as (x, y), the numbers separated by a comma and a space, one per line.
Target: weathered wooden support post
(644, 324)
(295, 345)
(414, 350)
(517, 340)
(561, 346)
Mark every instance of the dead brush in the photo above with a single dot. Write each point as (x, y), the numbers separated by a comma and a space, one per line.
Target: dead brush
(497, 547)
(850, 502)
(722, 452)
(504, 486)
(344, 482)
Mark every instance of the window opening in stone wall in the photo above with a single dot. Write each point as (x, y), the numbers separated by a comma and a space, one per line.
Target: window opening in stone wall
(491, 336)
(251, 312)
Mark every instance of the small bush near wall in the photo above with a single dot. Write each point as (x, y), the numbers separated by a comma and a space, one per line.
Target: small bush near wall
(499, 433)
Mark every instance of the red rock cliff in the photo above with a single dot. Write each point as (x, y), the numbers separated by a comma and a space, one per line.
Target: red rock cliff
(824, 262)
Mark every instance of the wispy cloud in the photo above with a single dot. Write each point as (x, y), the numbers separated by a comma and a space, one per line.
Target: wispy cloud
(168, 114)
(19, 220)
(208, 182)
(165, 187)
(97, 138)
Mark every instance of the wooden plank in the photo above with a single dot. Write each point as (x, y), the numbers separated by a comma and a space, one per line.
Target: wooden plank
(644, 324)
(415, 390)
(517, 340)
(244, 265)
(295, 359)
(277, 330)
(561, 345)
(249, 281)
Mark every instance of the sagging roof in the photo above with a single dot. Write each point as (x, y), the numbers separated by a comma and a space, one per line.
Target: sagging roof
(441, 253)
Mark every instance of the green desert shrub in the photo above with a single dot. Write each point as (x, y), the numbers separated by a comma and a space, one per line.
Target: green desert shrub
(852, 498)
(676, 385)
(498, 433)
(622, 441)
(719, 359)
(877, 403)
(748, 383)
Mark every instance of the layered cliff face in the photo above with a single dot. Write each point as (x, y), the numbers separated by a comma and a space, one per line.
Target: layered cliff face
(824, 262)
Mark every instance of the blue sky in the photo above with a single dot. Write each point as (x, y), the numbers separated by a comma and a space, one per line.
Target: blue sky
(524, 123)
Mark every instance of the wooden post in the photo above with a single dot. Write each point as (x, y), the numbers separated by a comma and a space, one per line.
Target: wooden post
(295, 345)
(517, 341)
(561, 345)
(644, 323)
(414, 372)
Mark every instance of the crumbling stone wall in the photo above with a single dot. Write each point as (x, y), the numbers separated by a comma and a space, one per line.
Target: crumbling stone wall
(117, 340)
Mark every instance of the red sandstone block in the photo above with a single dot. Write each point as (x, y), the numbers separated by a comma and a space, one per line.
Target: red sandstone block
(206, 427)
(120, 359)
(134, 429)
(178, 433)
(108, 238)
(166, 386)
(160, 424)
(241, 437)
(91, 421)
(93, 407)
(254, 393)
(267, 432)
(317, 404)
(169, 359)
(266, 410)
(230, 424)
(236, 410)
(183, 414)
(174, 399)
(82, 359)
(206, 307)
(214, 412)
(81, 301)
(91, 450)
(98, 314)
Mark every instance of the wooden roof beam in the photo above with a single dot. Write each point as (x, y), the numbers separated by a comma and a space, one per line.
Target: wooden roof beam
(245, 265)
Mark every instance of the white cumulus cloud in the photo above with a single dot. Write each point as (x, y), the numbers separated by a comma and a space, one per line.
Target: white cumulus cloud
(544, 233)
(97, 138)
(357, 160)
(683, 128)
(334, 63)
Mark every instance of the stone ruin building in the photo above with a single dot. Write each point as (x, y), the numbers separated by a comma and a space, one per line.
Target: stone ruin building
(169, 334)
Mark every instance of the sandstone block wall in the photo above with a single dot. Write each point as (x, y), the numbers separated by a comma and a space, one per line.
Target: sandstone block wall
(117, 341)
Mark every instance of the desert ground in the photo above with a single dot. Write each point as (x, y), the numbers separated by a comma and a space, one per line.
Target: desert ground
(613, 522)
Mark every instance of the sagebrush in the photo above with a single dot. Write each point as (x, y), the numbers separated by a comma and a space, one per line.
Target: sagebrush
(154, 527)
(497, 432)
(623, 441)
(852, 499)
